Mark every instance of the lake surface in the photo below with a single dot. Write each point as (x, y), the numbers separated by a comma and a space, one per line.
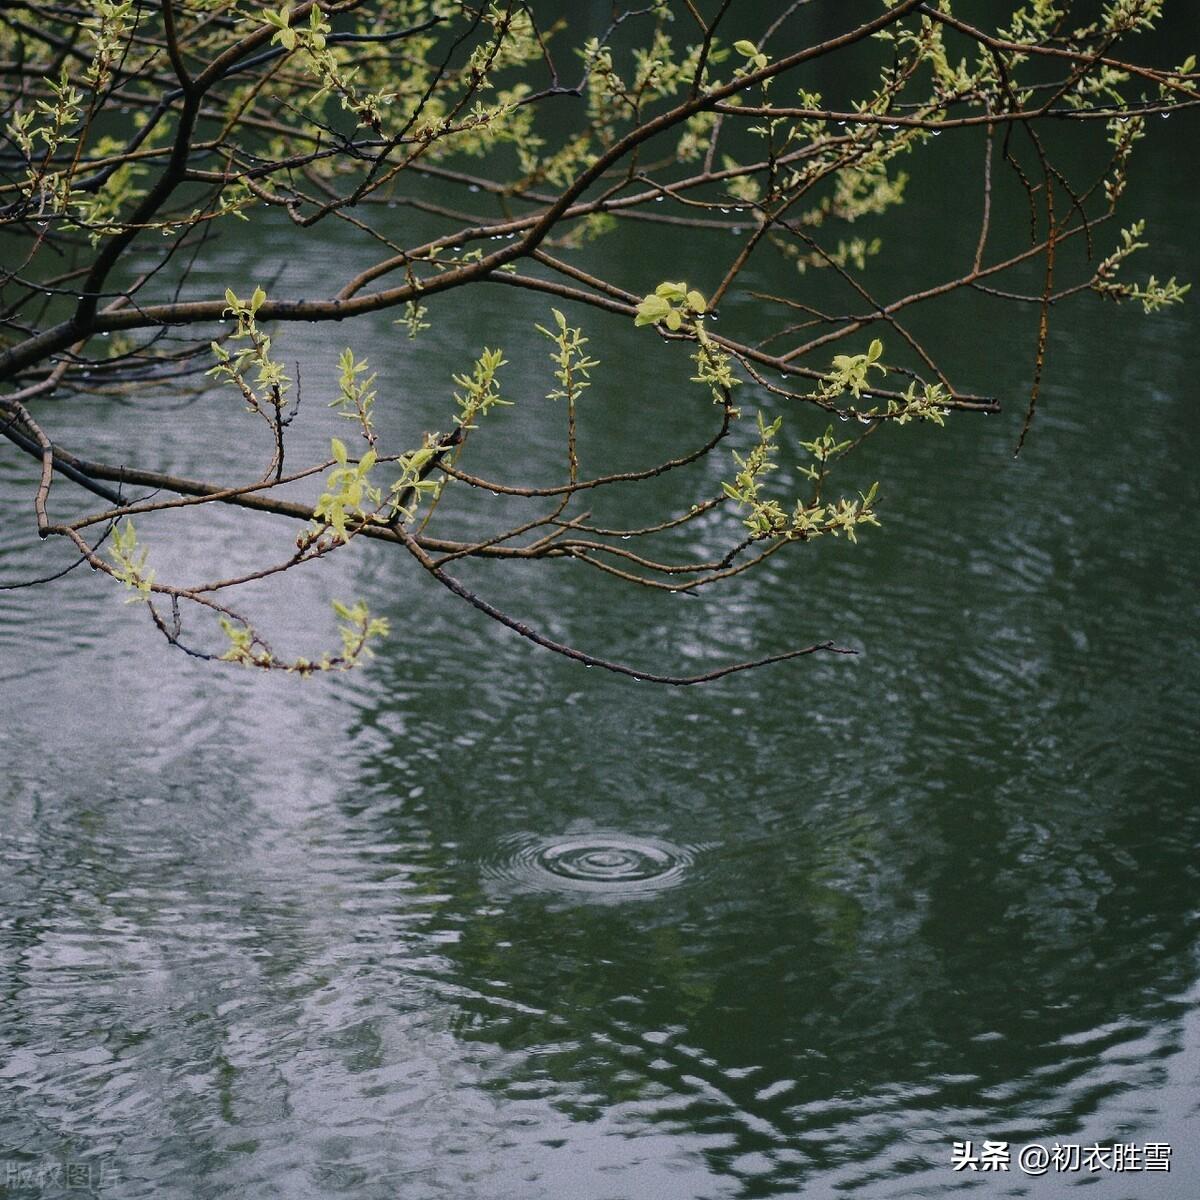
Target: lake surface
(477, 922)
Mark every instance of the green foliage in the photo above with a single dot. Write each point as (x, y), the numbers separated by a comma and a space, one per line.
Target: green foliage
(109, 27)
(825, 448)
(714, 367)
(1125, 16)
(755, 60)
(327, 65)
(244, 647)
(766, 516)
(1177, 79)
(1153, 295)
(280, 21)
(356, 629)
(671, 304)
(270, 384)
(129, 561)
(99, 214)
(850, 372)
(346, 488)
(127, 123)
(746, 488)
(921, 402)
(847, 515)
(480, 390)
(679, 307)
(572, 365)
(53, 125)
(356, 396)
(414, 318)
(412, 482)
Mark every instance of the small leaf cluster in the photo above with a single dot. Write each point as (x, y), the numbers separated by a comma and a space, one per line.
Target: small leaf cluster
(670, 303)
(850, 372)
(850, 252)
(1123, 133)
(823, 449)
(414, 318)
(245, 649)
(479, 395)
(1125, 16)
(346, 487)
(926, 404)
(356, 396)
(281, 22)
(244, 310)
(814, 520)
(325, 64)
(54, 125)
(846, 515)
(412, 482)
(109, 27)
(235, 368)
(765, 515)
(1178, 77)
(1153, 294)
(129, 561)
(357, 629)
(572, 365)
(755, 59)
(714, 367)
(99, 213)
(481, 391)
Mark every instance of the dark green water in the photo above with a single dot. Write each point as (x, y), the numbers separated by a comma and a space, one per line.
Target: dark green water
(267, 938)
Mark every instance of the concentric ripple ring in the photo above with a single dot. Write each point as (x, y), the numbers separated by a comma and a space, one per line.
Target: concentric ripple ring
(603, 865)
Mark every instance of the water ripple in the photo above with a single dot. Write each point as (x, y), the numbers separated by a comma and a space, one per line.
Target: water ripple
(599, 865)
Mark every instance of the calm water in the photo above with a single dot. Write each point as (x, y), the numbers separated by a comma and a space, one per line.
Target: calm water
(478, 923)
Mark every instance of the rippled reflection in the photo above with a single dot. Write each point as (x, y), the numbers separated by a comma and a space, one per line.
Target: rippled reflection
(369, 936)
